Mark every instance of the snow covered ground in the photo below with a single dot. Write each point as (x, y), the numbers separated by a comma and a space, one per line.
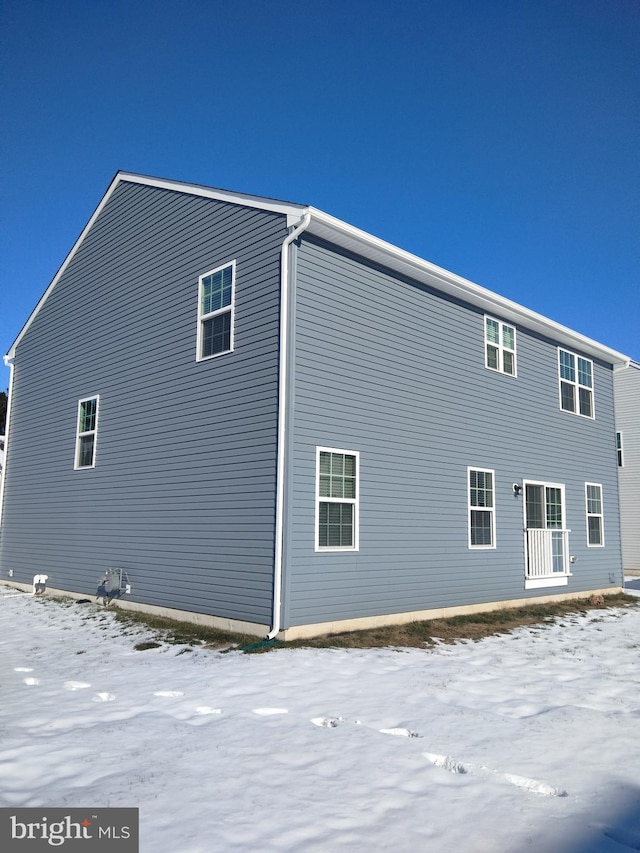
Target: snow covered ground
(529, 741)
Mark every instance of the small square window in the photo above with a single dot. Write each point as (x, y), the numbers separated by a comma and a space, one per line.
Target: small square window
(216, 312)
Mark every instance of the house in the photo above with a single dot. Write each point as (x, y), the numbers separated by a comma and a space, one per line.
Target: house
(626, 384)
(257, 416)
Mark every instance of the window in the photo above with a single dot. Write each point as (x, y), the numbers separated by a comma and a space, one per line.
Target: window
(576, 383)
(482, 522)
(500, 346)
(336, 500)
(619, 449)
(215, 312)
(87, 432)
(595, 530)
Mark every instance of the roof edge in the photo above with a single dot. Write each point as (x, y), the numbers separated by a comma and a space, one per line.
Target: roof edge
(361, 242)
(262, 202)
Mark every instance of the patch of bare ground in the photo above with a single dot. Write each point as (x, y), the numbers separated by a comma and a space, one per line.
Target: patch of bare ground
(423, 634)
(473, 626)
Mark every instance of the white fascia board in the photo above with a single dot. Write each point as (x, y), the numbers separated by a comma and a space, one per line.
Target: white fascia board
(289, 209)
(361, 243)
(293, 212)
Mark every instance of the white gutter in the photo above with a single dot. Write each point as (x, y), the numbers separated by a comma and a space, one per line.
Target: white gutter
(282, 423)
(9, 363)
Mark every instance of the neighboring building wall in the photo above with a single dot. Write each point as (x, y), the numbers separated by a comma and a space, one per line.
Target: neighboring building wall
(182, 492)
(627, 397)
(396, 371)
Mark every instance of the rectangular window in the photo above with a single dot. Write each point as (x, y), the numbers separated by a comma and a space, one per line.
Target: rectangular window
(482, 522)
(336, 499)
(87, 432)
(619, 449)
(500, 346)
(215, 311)
(595, 528)
(576, 383)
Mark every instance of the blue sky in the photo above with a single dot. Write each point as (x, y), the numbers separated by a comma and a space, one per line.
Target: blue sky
(499, 139)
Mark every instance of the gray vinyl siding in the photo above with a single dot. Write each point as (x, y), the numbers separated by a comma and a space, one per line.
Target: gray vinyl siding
(627, 397)
(391, 369)
(182, 495)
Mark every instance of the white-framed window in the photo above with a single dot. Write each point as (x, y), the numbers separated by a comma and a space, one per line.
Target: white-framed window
(575, 375)
(595, 523)
(216, 306)
(482, 517)
(87, 432)
(500, 346)
(337, 497)
(619, 450)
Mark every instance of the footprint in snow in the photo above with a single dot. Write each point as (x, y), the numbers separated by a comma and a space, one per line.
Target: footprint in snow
(267, 712)
(399, 732)
(76, 685)
(534, 785)
(446, 762)
(327, 722)
(168, 694)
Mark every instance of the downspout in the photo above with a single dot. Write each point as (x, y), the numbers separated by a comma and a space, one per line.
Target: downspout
(8, 360)
(282, 423)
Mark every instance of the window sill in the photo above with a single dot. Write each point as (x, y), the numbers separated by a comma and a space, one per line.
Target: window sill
(215, 355)
(541, 583)
(578, 414)
(501, 372)
(336, 550)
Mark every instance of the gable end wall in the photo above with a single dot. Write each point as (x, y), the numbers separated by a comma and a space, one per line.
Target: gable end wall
(182, 495)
